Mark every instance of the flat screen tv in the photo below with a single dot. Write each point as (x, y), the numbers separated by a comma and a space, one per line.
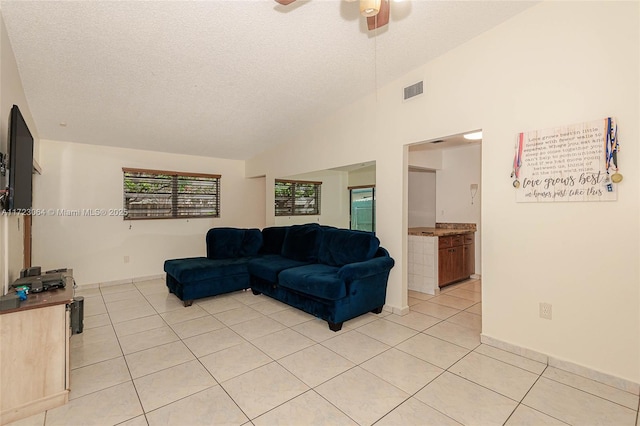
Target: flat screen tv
(20, 163)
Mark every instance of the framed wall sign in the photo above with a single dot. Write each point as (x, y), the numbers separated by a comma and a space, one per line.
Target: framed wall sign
(578, 162)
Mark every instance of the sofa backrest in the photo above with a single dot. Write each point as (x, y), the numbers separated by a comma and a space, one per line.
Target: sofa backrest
(302, 242)
(341, 246)
(272, 239)
(227, 243)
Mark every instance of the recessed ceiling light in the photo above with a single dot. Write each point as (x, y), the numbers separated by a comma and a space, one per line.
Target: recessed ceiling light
(475, 136)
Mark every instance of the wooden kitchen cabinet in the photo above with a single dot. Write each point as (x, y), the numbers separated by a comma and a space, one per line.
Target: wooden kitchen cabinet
(456, 258)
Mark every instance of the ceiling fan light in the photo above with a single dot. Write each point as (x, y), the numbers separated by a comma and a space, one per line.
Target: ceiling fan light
(369, 8)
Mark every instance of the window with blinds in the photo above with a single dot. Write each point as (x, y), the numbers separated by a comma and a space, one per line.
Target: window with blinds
(160, 194)
(297, 198)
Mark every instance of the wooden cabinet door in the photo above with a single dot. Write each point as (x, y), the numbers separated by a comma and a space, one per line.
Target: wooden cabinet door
(457, 258)
(445, 267)
(469, 261)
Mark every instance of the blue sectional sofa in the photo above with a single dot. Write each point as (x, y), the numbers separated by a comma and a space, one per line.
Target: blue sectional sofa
(334, 274)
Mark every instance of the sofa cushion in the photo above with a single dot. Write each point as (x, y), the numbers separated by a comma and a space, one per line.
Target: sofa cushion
(302, 242)
(269, 266)
(342, 246)
(200, 268)
(226, 243)
(272, 239)
(316, 280)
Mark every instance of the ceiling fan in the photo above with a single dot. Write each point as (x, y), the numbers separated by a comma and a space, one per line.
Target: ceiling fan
(376, 11)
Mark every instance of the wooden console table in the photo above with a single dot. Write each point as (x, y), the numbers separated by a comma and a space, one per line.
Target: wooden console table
(34, 354)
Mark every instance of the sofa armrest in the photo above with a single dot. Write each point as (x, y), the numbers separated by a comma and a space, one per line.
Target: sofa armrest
(371, 267)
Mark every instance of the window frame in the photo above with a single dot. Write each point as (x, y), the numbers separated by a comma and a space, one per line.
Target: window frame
(174, 194)
(317, 196)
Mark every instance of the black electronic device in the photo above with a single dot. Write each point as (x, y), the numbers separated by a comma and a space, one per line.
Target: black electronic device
(20, 163)
(30, 272)
(41, 282)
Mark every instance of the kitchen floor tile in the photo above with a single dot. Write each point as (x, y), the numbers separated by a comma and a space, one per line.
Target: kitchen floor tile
(467, 319)
(414, 320)
(282, 343)
(466, 294)
(355, 346)
(457, 334)
(525, 416)
(451, 301)
(197, 326)
(420, 296)
(139, 325)
(109, 406)
(415, 413)
(435, 351)
(510, 381)
(318, 330)
(213, 341)
(92, 353)
(475, 309)
(612, 394)
(574, 406)
(180, 315)
(291, 317)
(219, 304)
(361, 395)
(466, 402)
(306, 409)
(234, 361)
(402, 370)
(131, 313)
(210, 407)
(434, 310)
(157, 358)
(147, 339)
(98, 376)
(257, 327)
(174, 383)
(315, 364)
(387, 332)
(263, 389)
(238, 315)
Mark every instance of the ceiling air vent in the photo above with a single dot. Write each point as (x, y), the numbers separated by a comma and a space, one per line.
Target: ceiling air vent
(413, 90)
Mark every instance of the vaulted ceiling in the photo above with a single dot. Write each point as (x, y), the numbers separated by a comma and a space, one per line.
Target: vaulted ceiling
(224, 79)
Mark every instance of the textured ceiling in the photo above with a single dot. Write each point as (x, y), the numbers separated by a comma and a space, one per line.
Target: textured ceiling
(224, 79)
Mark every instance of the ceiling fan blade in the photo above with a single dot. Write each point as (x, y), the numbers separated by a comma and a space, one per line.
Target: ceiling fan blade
(381, 19)
(285, 2)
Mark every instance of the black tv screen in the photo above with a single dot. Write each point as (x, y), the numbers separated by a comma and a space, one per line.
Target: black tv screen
(20, 162)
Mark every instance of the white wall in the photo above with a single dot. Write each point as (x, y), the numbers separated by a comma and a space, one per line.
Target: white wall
(422, 198)
(461, 167)
(334, 201)
(362, 177)
(80, 176)
(543, 68)
(11, 92)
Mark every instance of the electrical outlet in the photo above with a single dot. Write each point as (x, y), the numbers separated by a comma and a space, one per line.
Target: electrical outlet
(126, 259)
(545, 310)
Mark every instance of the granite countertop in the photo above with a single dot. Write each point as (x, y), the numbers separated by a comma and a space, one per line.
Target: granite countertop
(444, 229)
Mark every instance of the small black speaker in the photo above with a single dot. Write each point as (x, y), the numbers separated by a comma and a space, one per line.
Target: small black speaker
(33, 271)
(77, 315)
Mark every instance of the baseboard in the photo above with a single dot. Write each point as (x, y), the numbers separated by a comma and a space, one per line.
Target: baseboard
(396, 310)
(571, 367)
(123, 281)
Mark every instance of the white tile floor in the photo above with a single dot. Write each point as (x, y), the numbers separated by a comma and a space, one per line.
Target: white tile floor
(240, 359)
